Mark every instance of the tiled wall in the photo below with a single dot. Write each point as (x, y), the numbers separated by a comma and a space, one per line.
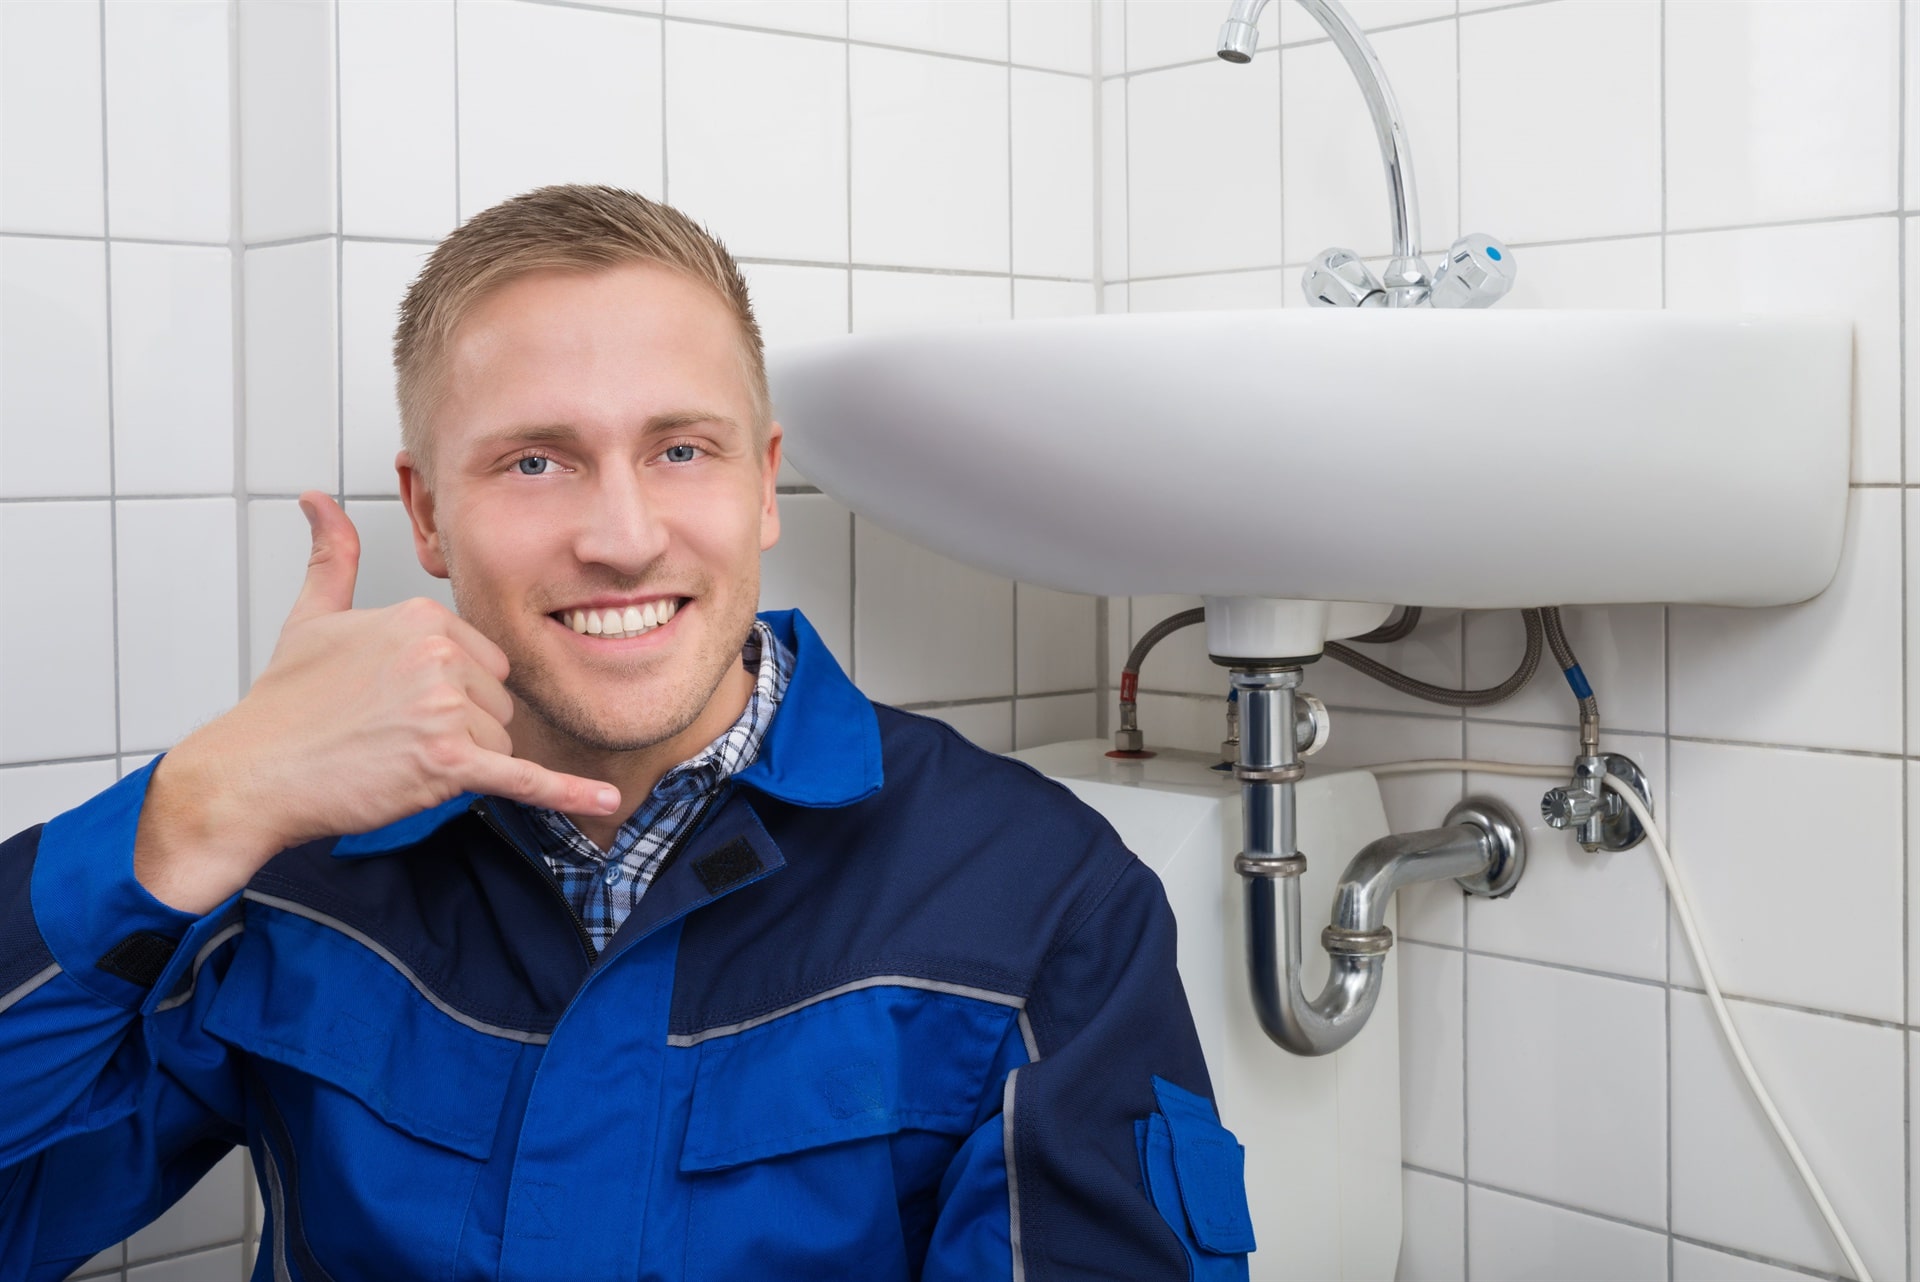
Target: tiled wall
(1570, 1110)
(209, 211)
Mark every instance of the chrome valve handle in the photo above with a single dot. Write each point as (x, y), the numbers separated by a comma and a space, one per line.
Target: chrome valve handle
(1339, 279)
(1478, 272)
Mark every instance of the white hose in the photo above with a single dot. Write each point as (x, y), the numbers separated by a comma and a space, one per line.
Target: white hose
(1685, 909)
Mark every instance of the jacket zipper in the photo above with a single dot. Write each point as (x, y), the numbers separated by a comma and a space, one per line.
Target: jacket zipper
(480, 808)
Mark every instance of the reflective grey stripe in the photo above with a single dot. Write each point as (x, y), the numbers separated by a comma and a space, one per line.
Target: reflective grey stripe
(199, 960)
(1026, 1036)
(877, 981)
(334, 923)
(9, 999)
(1013, 1178)
(279, 1199)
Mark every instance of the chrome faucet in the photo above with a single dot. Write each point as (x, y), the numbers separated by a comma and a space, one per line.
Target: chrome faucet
(1478, 270)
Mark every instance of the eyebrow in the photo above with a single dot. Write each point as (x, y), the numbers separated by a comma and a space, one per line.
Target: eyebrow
(536, 433)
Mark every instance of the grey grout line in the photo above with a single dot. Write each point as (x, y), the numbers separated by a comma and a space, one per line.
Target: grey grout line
(1903, 227)
(1666, 746)
(113, 479)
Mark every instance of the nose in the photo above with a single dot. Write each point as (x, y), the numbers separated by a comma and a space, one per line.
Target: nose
(619, 524)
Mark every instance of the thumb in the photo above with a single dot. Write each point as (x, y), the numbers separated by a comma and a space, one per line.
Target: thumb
(334, 561)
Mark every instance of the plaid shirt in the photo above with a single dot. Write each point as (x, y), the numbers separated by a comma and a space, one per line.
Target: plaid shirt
(604, 885)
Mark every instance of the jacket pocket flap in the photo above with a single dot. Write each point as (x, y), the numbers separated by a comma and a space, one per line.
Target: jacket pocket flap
(307, 996)
(862, 1064)
(1210, 1167)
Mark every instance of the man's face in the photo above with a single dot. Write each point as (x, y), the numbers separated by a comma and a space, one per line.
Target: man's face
(596, 450)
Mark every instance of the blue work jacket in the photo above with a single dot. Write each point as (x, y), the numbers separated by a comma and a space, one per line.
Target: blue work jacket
(896, 1008)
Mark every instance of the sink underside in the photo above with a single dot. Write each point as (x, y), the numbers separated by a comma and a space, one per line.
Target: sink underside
(1444, 458)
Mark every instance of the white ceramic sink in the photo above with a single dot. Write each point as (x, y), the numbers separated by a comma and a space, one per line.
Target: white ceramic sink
(1437, 458)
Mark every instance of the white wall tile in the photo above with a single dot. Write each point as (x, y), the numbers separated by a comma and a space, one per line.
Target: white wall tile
(771, 184)
(53, 364)
(1560, 120)
(133, 761)
(1223, 291)
(56, 631)
(1297, 25)
(1332, 194)
(1847, 809)
(1055, 718)
(929, 161)
(1788, 109)
(32, 795)
(1599, 911)
(51, 180)
(819, 17)
(1113, 180)
(396, 118)
(390, 569)
(292, 368)
(1180, 721)
(976, 28)
(1179, 660)
(555, 94)
(926, 628)
(208, 1214)
(1822, 674)
(179, 617)
(287, 78)
(1700, 1264)
(1055, 648)
(892, 302)
(1513, 1239)
(1161, 32)
(990, 725)
(1592, 274)
(1622, 650)
(1203, 168)
(278, 545)
(1113, 298)
(1433, 1216)
(374, 280)
(105, 1264)
(172, 318)
(1111, 18)
(1053, 33)
(797, 304)
(1836, 1083)
(1835, 269)
(1432, 1057)
(168, 149)
(810, 569)
(1566, 1099)
(1434, 911)
(1052, 175)
(1037, 299)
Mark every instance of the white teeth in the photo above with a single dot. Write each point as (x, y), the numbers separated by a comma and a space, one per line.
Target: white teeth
(628, 622)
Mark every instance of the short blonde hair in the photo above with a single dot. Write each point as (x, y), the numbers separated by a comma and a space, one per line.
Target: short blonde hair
(568, 227)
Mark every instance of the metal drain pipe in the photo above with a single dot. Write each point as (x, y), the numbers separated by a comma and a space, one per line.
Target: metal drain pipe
(1481, 847)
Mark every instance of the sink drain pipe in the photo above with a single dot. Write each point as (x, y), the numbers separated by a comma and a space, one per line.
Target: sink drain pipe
(1481, 847)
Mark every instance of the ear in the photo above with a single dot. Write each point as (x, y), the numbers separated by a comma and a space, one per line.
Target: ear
(769, 485)
(419, 504)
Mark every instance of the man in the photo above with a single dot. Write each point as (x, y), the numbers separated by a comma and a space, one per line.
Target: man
(712, 969)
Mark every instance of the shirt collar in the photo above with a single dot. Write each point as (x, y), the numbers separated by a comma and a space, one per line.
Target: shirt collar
(823, 750)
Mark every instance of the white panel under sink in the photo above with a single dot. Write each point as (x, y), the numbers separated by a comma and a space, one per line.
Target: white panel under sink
(1481, 459)
(1322, 1133)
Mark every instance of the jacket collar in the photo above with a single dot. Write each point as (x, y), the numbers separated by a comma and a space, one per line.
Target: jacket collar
(821, 750)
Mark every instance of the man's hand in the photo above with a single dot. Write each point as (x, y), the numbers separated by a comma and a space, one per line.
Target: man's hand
(361, 717)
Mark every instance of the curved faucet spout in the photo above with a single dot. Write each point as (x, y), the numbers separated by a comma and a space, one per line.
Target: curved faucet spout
(1407, 279)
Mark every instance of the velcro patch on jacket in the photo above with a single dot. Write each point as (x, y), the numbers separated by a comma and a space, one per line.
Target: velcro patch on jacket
(139, 958)
(728, 866)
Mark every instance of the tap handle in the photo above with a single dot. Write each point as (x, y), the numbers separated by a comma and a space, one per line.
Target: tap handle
(1339, 279)
(1478, 272)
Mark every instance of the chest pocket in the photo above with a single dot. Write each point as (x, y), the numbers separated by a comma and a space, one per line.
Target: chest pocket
(816, 1142)
(370, 1110)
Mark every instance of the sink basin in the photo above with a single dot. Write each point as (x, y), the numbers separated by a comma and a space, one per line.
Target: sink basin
(1475, 459)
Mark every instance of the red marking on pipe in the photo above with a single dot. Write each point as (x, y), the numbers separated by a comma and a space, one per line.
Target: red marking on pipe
(1129, 686)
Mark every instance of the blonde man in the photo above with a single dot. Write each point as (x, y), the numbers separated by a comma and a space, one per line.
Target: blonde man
(710, 968)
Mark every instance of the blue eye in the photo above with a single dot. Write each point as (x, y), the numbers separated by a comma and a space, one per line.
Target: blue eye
(531, 458)
(681, 453)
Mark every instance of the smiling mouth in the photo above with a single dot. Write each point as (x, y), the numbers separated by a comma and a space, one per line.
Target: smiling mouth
(621, 624)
